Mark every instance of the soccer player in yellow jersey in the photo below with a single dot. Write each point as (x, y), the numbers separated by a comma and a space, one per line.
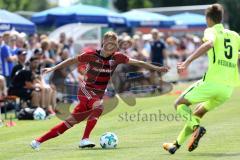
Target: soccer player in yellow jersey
(222, 46)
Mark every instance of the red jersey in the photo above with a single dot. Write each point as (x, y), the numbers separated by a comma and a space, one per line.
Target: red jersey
(99, 69)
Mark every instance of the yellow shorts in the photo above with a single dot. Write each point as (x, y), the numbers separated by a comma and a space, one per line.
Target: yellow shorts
(210, 94)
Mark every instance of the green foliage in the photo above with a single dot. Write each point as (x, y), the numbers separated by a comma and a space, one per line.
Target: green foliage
(102, 3)
(139, 4)
(26, 5)
(168, 3)
(121, 5)
(124, 5)
(232, 7)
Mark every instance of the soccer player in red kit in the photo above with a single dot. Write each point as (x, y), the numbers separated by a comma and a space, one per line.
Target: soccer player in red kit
(100, 64)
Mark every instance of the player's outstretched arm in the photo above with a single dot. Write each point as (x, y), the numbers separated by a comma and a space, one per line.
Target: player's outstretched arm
(147, 65)
(67, 62)
(198, 53)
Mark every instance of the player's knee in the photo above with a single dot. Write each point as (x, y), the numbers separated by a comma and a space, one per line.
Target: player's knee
(177, 103)
(200, 112)
(71, 121)
(93, 118)
(97, 112)
(181, 101)
(98, 104)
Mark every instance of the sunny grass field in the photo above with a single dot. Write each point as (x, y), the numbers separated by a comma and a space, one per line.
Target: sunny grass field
(138, 140)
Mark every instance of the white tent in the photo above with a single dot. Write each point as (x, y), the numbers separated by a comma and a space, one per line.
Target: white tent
(83, 35)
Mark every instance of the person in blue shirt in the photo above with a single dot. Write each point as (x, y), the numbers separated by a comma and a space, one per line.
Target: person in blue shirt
(7, 58)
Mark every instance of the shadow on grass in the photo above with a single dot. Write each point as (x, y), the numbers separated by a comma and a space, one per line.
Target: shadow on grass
(101, 149)
(216, 154)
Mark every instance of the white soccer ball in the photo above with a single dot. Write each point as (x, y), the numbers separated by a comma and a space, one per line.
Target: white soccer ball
(109, 140)
(39, 114)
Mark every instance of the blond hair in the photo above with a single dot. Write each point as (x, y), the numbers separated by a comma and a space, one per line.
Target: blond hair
(45, 44)
(110, 35)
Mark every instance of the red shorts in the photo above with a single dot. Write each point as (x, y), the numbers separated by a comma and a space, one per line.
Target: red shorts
(87, 101)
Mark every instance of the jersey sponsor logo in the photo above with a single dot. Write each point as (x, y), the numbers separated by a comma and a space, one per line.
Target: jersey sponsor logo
(226, 64)
(102, 70)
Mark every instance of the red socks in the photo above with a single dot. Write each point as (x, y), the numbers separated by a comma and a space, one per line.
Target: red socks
(54, 132)
(92, 120)
(89, 127)
(63, 126)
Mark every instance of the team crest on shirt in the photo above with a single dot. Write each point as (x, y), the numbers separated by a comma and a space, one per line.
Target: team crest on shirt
(111, 62)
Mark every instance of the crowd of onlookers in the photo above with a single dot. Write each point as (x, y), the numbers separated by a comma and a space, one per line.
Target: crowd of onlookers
(156, 48)
(23, 58)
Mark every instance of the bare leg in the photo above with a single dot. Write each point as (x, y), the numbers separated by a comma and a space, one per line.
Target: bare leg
(35, 98)
(3, 86)
(53, 100)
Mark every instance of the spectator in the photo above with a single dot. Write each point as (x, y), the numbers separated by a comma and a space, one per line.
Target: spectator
(12, 44)
(140, 41)
(33, 44)
(147, 45)
(125, 44)
(1, 44)
(137, 51)
(158, 49)
(23, 85)
(47, 95)
(3, 87)
(54, 51)
(47, 59)
(190, 46)
(172, 47)
(63, 40)
(1, 40)
(43, 37)
(158, 57)
(21, 41)
(21, 53)
(71, 47)
(7, 59)
(59, 76)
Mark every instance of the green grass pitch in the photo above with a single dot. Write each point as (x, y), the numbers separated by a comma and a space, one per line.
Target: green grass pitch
(138, 138)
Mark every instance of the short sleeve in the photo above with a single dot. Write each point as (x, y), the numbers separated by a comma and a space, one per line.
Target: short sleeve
(209, 35)
(121, 58)
(5, 52)
(84, 57)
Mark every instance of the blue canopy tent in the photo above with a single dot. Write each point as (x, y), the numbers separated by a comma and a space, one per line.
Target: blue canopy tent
(10, 21)
(136, 18)
(51, 16)
(189, 20)
(79, 13)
